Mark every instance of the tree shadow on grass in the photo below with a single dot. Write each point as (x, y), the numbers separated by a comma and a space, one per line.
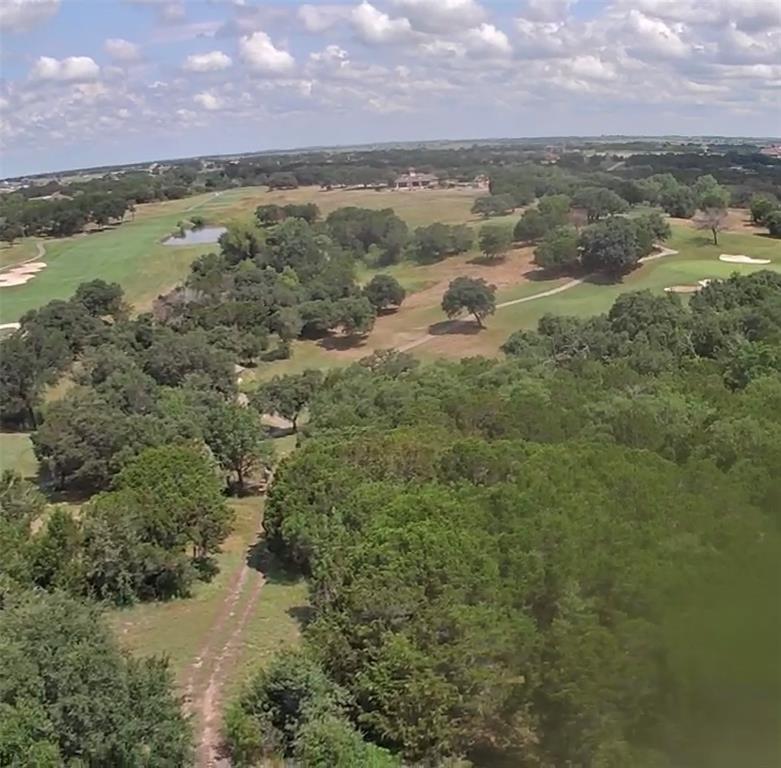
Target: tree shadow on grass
(341, 343)
(276, 571)
(599, 278)
(456, 327)
(488, 261)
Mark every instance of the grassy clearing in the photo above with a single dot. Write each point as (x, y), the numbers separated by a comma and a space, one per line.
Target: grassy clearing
(16, 453)
(181, 628)
(132, 254)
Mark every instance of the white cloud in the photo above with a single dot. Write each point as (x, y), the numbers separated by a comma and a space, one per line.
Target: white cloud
(374, 26)
(18, 15)
(441, 15)
(214, 61)
(546, 10)
(487, 40)
(70, 69)
(591, 68)
(332, 56)
(258, 52)
(750, 15)
(121, 50)
(207, 100)
(655, 38)
(319, 18)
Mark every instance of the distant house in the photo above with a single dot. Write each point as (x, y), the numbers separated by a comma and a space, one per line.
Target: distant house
(774, 150)
(414, 180)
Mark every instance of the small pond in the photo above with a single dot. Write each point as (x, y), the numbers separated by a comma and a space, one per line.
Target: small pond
(201, 236)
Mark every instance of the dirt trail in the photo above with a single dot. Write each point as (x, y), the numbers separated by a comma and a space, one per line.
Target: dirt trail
(206, 675)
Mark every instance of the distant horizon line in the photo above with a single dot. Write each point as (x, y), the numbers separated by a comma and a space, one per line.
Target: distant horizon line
(391, 143)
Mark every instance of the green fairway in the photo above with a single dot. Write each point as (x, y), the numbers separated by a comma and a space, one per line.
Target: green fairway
(130, 254)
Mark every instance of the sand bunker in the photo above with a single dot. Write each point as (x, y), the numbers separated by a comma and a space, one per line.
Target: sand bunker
(21, 274)
(683, 288)
(9, 326)
(740, 259)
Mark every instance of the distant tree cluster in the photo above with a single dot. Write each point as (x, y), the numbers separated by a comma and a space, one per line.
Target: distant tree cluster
(58, 210)
(612, 246)
(437, 241)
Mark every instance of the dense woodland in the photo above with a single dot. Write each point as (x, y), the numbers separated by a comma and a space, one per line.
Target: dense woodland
(561, 558)
(530, 562)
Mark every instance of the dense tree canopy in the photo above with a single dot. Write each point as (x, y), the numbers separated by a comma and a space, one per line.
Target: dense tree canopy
(68, 696)
(506, 556)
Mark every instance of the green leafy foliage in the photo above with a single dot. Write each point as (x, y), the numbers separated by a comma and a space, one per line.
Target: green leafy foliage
(384, 291)
(437, 241)
(494, 241)
(68, 696)
(558, 250)
(471, 294)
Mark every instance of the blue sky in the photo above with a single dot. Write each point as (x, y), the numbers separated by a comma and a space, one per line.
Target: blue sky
(90, 82)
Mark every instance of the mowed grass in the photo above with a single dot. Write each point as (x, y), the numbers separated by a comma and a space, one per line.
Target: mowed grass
(697, 259)
(21, 250)
(130, 254)
(16, 453)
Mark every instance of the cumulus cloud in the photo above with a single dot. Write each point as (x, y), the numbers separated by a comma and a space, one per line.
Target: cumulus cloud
(19, 15)
(725, 59)
(121, 50)
(655, 38)
(259, 53)
(319, 18)
(332, 56)
(208, 101)
(441, 15)
(214, 61)
(488, 40)
(546, 10)
(70, 69)
(374, 26)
